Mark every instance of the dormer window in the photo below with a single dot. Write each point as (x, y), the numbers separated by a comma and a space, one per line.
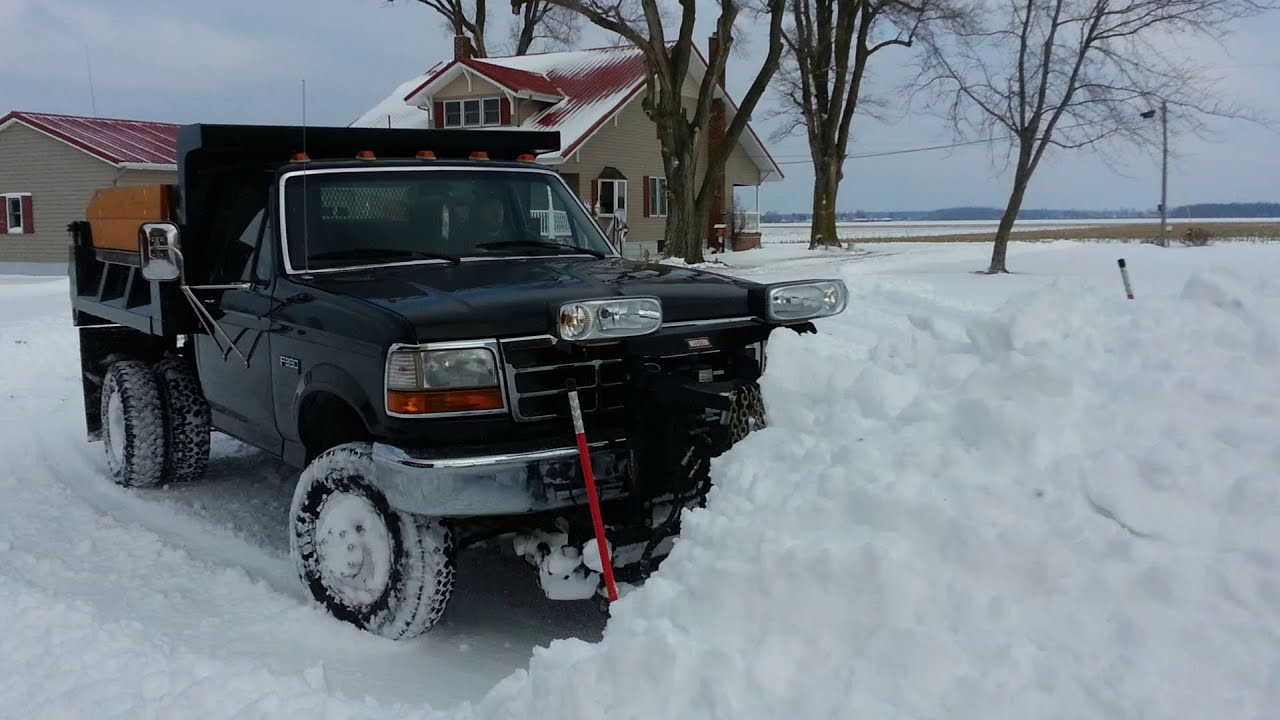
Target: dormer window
(478, 112)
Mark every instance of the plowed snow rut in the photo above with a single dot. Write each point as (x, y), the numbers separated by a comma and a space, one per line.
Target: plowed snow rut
(203, 568)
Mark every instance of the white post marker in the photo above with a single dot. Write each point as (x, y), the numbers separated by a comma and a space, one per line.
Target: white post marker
(593, 499)
(1124, 275)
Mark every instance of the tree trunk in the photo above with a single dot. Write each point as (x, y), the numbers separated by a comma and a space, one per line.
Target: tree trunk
(826, 181)
(1010, 215)
(683, 236)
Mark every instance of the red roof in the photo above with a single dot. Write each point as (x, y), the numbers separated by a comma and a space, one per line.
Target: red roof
(119, 142)
(589, 88)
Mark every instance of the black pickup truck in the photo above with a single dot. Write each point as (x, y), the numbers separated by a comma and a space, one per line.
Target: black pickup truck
(402, 316)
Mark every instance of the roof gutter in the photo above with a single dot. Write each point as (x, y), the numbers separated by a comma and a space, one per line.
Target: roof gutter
(161, 167)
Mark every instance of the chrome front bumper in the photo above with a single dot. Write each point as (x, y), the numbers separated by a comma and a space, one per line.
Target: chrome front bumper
(418, 481)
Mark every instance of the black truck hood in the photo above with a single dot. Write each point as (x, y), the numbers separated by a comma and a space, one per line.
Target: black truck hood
(506, 298)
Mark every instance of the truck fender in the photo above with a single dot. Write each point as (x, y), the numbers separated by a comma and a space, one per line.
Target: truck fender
(331, 380)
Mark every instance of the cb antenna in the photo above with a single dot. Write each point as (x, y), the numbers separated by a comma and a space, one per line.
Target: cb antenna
(306, 254)
(88, 66)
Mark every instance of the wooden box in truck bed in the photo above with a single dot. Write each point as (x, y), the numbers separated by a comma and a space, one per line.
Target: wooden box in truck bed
(115, 214)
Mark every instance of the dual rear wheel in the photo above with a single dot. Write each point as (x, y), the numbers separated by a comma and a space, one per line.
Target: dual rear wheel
(387, 572)
(155, 422)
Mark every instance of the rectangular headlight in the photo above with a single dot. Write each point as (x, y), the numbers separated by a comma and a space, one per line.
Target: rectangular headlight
(609, 319)
(442, 369)
(791, 302)
(444, 381)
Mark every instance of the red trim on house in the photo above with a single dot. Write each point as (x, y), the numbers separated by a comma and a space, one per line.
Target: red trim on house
(509, 79)
(28, 215)
(504, 111)
(437, 113)
(647, 213)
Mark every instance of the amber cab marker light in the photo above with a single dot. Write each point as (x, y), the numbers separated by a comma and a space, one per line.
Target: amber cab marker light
(444, 401)
(526, 157)
(300, 157)
(425, 155)
(478, 155)
(365, 155)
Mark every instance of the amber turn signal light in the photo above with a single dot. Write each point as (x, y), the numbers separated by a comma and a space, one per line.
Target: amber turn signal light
(300, 157)
(479, 155)
(526, 157)
(444, 401)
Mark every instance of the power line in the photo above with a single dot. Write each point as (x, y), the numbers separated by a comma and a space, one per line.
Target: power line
(931, 148)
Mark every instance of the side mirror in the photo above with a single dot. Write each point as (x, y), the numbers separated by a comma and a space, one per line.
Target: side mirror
(161, 258)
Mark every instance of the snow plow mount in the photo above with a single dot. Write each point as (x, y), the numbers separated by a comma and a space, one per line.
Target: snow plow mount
(676, 427)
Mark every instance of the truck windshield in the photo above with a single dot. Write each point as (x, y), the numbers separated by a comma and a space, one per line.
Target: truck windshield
(345, 218)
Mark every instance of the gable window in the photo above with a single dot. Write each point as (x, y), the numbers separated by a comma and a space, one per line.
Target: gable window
(478, 112)
(17, 218)
(612, 197)
(657, 197)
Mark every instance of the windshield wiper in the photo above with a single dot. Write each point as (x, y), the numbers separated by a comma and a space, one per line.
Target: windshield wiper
(541, 244)
(384, 253)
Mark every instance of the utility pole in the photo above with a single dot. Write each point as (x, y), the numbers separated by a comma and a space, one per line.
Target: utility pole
(1164, 175)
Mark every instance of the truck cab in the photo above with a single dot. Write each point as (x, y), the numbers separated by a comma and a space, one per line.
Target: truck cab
(426, 323)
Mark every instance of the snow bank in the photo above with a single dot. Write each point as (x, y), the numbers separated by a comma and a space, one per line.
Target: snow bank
(1067, 508)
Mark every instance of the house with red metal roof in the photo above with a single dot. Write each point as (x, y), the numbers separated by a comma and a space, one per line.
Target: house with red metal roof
(609, 155)
(50, 165)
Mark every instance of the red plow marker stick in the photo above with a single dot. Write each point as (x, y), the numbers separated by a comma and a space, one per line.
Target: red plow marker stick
(593, 499)
(1124, 275)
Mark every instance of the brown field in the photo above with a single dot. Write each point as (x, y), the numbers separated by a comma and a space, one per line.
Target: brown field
(1246, 231)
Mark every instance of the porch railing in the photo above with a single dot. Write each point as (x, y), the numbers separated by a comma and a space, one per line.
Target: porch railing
(552, 223)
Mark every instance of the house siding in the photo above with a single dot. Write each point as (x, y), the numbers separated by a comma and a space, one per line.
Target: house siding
(458, 89)
(629, 142)
(61, 180)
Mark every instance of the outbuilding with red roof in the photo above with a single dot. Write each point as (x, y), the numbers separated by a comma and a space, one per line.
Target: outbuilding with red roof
(50, 165)
(610, 154)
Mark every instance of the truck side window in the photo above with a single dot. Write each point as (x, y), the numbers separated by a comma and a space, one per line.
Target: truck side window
(238, 258)
(265, 267)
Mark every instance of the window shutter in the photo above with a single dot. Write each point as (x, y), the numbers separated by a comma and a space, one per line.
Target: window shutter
(648, 212)
(595, 195)
(28, 217)
(4, 214)
(504, 110)
(437, 109)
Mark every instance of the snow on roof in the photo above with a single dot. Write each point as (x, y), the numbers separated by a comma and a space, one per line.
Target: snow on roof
(592, 85)
(131, 144)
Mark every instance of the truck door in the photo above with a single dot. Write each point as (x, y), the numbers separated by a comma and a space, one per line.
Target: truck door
(237, 382)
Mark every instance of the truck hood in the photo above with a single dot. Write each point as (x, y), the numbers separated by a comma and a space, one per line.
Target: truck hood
(506, 298)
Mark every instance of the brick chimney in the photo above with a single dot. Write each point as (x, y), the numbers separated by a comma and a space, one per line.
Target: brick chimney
(713, 47)
(462, 49)
(716, 144)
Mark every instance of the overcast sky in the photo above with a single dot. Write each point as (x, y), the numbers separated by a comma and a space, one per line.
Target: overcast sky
(243, 61)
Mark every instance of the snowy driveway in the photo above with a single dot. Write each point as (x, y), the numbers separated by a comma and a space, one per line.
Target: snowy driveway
(1064, 506)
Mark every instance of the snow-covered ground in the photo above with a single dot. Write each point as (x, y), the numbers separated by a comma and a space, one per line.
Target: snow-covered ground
(984, 497)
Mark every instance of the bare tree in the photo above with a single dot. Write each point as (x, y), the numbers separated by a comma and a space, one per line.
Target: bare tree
(680, 120)
(828, 45)
(536, 20)
(541, 20)
(1070, 74)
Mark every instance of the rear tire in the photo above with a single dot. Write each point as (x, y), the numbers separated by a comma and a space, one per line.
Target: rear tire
(133, 424)
(186, 416)
(384, 571)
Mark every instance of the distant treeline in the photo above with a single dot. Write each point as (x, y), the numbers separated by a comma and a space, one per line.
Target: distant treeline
(1198, 210)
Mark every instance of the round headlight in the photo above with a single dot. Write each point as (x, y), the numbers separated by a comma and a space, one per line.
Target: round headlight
(575, 321)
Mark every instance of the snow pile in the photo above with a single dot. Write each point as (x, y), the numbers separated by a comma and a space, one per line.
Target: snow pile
(1068, 508)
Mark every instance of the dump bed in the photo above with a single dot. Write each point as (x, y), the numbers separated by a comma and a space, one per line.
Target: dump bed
(217, 166)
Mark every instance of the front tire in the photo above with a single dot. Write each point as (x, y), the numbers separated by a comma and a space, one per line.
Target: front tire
(133, 428)
(384, 571)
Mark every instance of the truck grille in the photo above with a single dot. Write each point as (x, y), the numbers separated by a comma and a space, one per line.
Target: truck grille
(537, 372)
